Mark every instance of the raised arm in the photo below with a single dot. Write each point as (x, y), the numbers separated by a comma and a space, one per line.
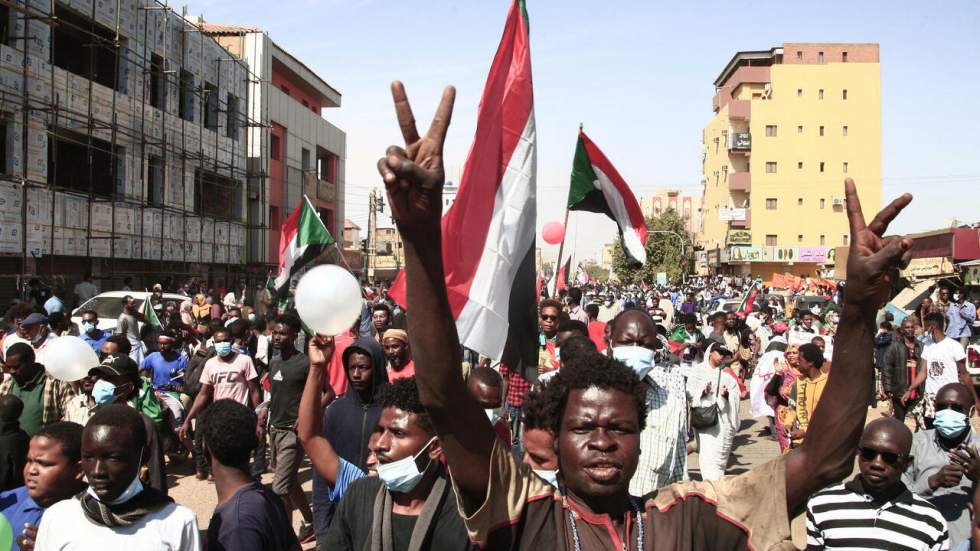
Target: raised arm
(827, 454)
(309, 426)
(414, 178)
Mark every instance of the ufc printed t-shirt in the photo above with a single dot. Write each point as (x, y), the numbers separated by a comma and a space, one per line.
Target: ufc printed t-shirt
(229, 379)
(940, 359)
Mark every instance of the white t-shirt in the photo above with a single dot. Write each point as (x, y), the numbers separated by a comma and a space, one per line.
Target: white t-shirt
(941, 358)
(65, 528)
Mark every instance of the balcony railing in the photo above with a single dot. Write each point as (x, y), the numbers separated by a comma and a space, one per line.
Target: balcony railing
(740, 181)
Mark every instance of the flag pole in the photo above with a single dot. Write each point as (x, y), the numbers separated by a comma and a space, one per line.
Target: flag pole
(342, 259)
(561, 250)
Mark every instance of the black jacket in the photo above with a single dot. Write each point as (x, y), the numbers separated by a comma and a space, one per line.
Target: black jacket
(894, 366)
(347, 424)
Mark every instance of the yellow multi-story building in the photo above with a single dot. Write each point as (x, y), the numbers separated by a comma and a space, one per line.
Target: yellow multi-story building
(790, 124)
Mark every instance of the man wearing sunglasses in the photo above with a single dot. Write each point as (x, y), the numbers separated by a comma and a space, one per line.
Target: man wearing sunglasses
(945, 464)
(876, 510)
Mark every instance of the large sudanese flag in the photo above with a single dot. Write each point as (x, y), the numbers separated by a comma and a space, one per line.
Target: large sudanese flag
(597, 187)
(488, 233)
(303, 238)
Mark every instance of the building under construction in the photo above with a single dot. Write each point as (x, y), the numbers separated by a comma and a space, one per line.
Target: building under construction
(133, 148)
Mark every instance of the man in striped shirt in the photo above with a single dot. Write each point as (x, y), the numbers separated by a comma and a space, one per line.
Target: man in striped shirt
(875, 510)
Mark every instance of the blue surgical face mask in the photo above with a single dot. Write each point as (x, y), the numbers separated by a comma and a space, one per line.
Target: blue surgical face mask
(223, 349)
(87, 327)
(950, 424)
(638, 358)
(403, 475)
(549, 476)
(103, 392)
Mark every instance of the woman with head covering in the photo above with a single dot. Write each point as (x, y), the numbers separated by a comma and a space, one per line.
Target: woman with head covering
(781, 389)
(714, 386)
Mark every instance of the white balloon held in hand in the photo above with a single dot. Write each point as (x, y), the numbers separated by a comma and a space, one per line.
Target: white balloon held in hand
(69, 358)
(328, 299)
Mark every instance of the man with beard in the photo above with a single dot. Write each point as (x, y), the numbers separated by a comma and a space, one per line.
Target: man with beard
(287, 373)
(601, 406)
(876, 510)
(399, 354)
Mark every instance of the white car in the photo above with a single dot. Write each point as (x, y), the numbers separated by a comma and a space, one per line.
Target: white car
(109, 305)
(727, 305)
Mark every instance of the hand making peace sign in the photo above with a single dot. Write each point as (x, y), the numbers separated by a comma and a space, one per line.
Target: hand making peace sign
(414, 174)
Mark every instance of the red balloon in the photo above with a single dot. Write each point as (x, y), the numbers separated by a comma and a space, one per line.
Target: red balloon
(553, 233)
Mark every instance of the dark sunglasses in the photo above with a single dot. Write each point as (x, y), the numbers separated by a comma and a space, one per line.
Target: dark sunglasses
(955, 407)
(869, 454)
(548, 318)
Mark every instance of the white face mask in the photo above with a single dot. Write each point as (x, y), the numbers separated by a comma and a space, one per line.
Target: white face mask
(549, 476)
(403, 475)
(131, 491)
(638, 358)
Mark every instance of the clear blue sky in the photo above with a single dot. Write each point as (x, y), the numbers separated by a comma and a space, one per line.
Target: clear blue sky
(639, 76)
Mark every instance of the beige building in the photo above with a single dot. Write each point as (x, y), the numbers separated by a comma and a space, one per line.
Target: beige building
(687, 206)
(790, 124)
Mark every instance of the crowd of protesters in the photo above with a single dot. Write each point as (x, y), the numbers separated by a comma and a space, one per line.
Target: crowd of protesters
(419, 443)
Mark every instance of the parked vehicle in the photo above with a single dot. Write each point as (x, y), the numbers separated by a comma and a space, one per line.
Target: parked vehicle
(109, 305)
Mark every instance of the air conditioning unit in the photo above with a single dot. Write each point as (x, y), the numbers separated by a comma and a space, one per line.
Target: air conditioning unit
(838, 202)
(767, 91)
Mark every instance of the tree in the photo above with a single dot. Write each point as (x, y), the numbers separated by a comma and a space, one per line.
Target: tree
(596, 272)
(666, 252)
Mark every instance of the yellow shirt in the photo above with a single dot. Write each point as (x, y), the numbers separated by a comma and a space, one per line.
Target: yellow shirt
(808, 393)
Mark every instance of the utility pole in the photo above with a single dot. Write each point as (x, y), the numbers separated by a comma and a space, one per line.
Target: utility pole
(372, 234)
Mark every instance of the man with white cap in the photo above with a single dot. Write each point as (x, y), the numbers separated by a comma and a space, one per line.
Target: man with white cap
(398, 354)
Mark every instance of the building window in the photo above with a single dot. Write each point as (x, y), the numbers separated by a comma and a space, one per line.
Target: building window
(823, 239)
(799, 92)
(845, 130)
(821, 166)
(220, 196)
(275, 148)
(799, 202)
(845, 168)
(799, 238)
(305, 158)
(843, 57)
(771, 203)
(799, 129)
(771, 130)
(771, 240)
(158, 81)
(83, 164)
(771, 167)
(326, 165)
(186, 95)
(154, 173)
(821, 131)
(819, 57)
(799, 55)
(84, 47)
(820, 94)
(211, 108)
(823, 203)
(844, 93)
(844, 240)
(799, 165)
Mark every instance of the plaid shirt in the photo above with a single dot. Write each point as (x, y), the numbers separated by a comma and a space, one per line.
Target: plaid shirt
(54, 401)
(517, 386)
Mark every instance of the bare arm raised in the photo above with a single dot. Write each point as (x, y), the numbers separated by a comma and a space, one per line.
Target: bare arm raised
(414, 177)
(827, 454)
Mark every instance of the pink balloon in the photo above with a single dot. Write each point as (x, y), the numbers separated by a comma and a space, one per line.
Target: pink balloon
(553, 232)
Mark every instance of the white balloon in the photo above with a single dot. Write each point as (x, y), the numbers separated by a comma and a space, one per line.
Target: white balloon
(68, 358)
(328, 299)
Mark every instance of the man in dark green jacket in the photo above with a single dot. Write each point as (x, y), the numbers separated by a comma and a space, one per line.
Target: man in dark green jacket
(901, 360)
